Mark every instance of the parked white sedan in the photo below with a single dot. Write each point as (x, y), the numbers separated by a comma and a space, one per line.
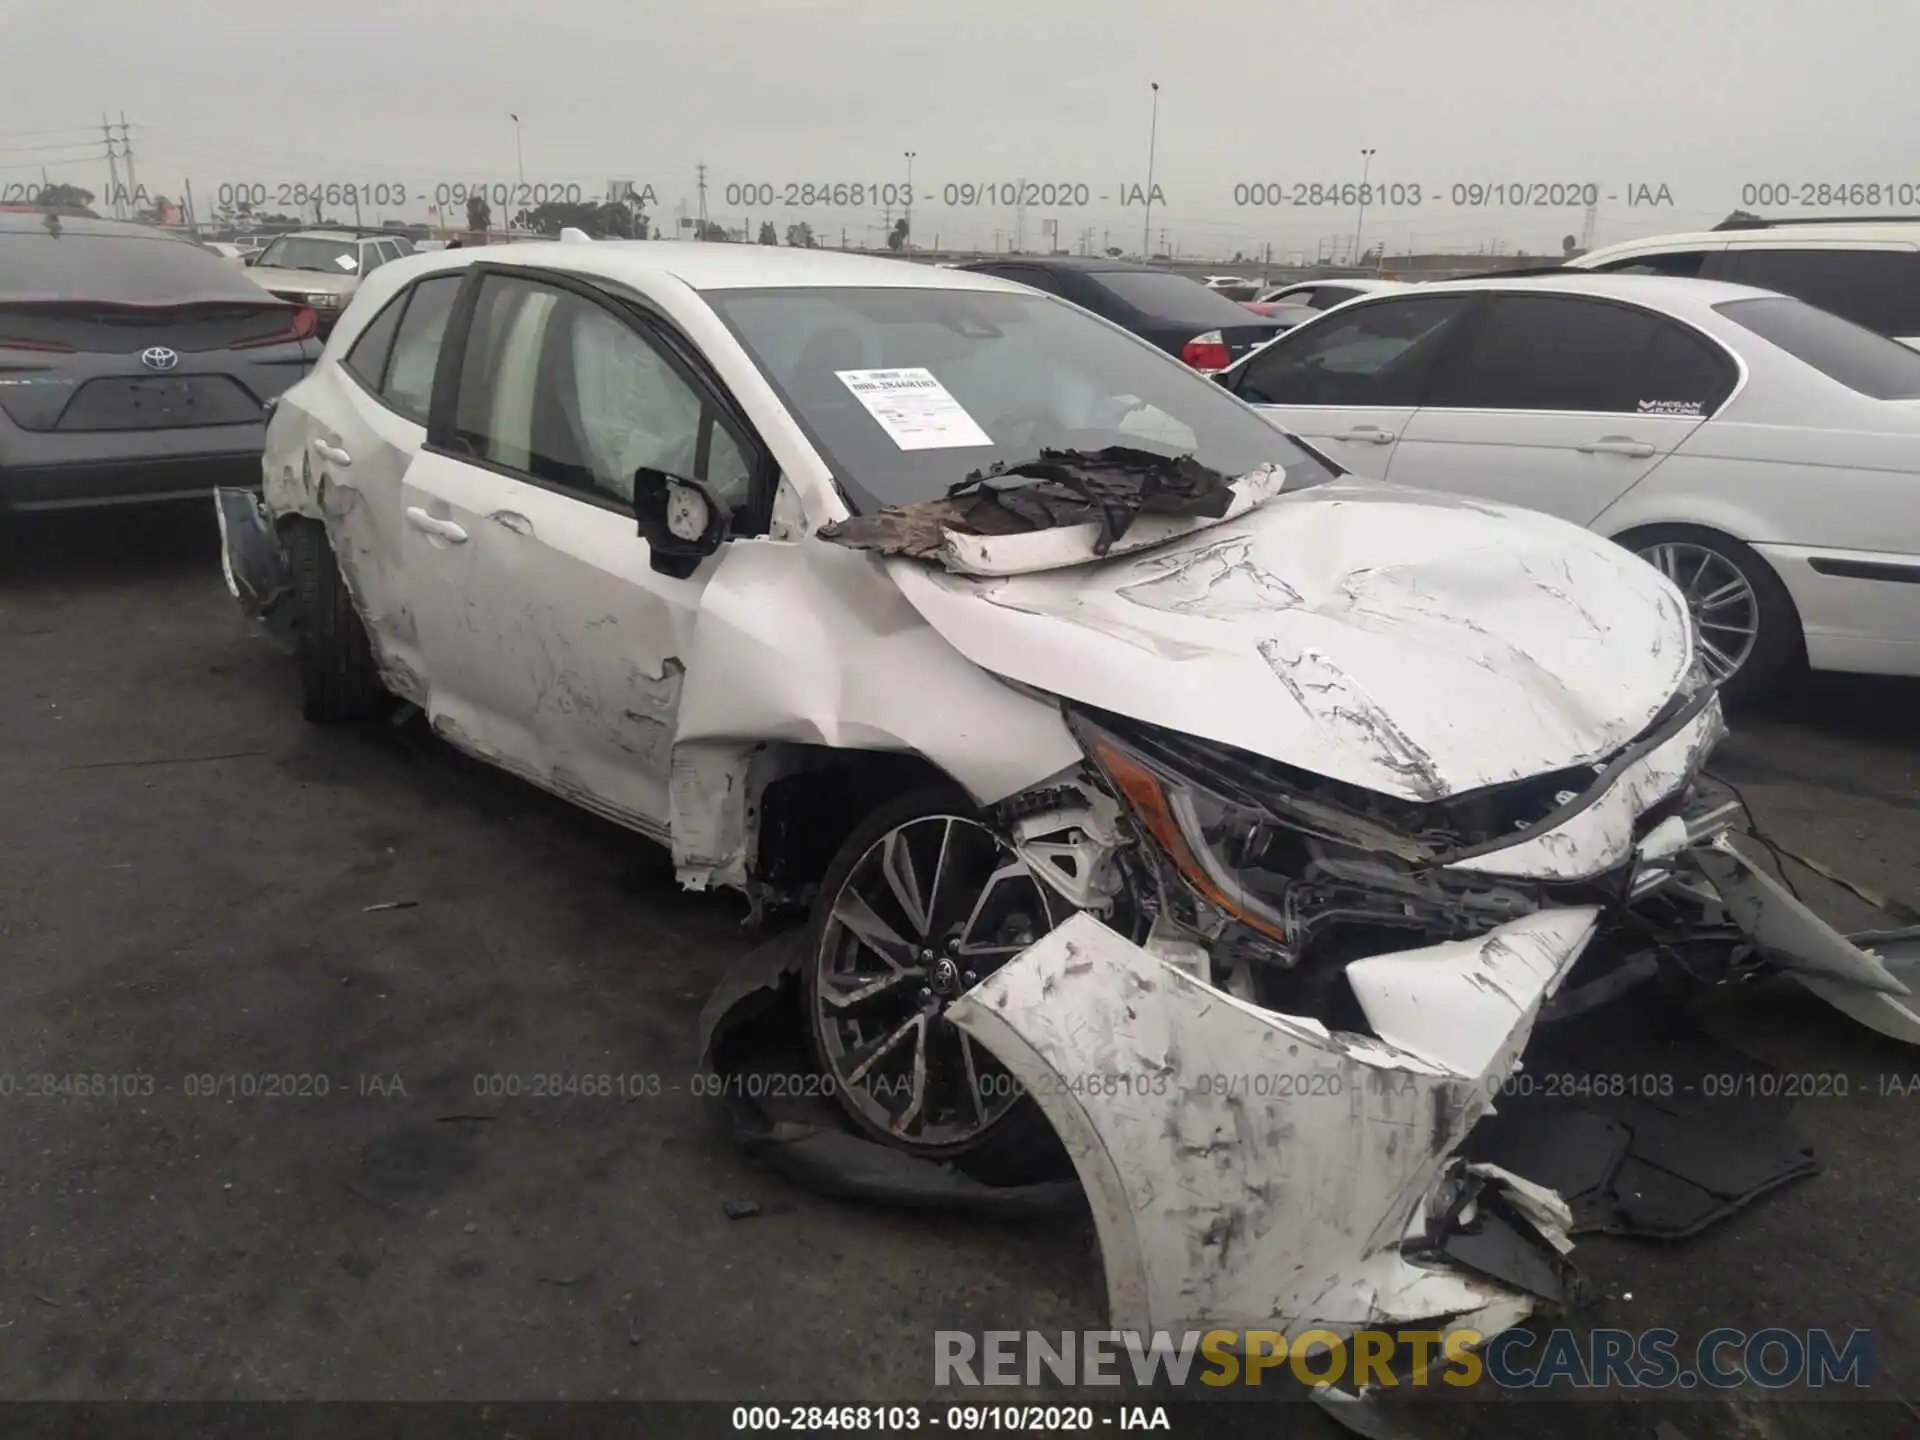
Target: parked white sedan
(1764, 454)
(1109, 736)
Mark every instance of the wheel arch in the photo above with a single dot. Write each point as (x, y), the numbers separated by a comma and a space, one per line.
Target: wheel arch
(810, 798)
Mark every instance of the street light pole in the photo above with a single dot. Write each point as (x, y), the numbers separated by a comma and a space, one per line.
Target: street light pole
(1153, 136)
(908, 245)
(1366, 167)
(519, 163)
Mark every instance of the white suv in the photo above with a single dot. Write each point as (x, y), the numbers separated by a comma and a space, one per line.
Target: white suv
(1867, 271)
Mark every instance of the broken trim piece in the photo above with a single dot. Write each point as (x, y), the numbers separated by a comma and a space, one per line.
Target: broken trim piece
(1072, 506)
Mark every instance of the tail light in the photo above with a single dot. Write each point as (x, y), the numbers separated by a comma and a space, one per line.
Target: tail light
(302, 325)
(1207, 353)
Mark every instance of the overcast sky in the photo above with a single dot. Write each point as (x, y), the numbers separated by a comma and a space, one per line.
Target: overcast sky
(1701, 96)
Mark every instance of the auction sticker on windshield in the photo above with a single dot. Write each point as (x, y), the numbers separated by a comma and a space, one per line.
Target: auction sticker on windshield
(916, 410)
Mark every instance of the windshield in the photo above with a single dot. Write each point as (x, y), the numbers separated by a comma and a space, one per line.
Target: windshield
(973, 377)
(1163, 296)
(292, 252)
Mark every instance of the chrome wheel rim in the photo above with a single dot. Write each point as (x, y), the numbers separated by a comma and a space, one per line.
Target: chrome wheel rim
(931, 908)
(1720, 602)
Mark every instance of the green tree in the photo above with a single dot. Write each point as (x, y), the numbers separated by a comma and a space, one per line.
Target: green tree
(768, 235)
(897, 237)
(479, 213)
(800, 236)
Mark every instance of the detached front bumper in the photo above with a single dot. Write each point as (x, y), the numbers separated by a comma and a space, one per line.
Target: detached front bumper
(254, 562)
(1253, 1170)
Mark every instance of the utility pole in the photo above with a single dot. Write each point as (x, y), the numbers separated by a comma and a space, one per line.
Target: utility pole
(193, 221)
(1586, 230)
(909, 154)
(1366, 168)
(126, 153)
(113, 167)
(700, 172)
(1153, 136)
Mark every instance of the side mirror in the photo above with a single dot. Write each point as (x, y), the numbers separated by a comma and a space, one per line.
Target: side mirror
(680, 520)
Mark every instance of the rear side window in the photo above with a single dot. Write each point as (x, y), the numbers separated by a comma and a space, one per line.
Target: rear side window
(1851, 354)
(1551, 352)
(1879, 289)
(368, 357)
(1328, 296)
(408, 386)
(1373, 355)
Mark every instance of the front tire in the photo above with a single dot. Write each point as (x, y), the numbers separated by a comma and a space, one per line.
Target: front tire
(338, 678)
(921, 903)
(1744, 623)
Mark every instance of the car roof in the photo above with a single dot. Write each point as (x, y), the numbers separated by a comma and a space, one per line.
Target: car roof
(15, 222)
(1083, 263)
(1828, 235)
(711, 265)
(1686, 297)
(324, 233)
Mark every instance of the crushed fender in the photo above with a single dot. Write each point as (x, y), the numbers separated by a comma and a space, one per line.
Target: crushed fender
(1106, 488)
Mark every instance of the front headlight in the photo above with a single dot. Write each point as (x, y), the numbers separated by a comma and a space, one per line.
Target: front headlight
(1211, 840)
(322, 301)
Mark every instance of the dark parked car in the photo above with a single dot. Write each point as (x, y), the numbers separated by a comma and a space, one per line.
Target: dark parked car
(1181, 316)
(134, 365)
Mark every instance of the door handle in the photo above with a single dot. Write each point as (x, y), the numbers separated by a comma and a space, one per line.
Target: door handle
(445, 529)
(1617, 445)
(332, 454)
(1373, 434)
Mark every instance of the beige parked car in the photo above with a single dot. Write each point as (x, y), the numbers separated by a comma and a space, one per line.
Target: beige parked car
(322, 268)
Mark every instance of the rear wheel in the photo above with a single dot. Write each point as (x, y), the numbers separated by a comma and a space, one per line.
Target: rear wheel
(921, 903)
(338, 677)
(1744, 624)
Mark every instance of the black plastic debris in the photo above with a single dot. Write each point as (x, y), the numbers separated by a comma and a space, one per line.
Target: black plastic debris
(1644, 1123)
(750, 1042)
(1108, 488)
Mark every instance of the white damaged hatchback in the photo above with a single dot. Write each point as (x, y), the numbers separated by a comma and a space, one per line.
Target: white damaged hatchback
(1113, 738)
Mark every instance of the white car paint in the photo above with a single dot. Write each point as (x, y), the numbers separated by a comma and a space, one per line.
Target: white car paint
(1793, 463)
(1303, 292)
(1316, 629)
(1281, 1206)
(1415, 645)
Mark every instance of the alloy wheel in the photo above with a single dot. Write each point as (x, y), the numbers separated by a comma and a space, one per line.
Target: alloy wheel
(930, 909)
(1720, 601)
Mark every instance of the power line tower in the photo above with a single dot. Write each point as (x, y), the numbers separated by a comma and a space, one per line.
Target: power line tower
(1586, 230)
(700, 172)
(1020, 217)
(113, 168)
(126, 154)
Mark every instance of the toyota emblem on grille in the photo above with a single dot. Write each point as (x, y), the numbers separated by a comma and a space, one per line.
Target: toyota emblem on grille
(159, 357)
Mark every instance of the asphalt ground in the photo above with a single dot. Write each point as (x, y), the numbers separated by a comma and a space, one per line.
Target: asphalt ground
(188, 876)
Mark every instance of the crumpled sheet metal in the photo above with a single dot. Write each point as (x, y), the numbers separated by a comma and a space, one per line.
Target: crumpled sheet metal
(1106, 490)
(1249, 1169)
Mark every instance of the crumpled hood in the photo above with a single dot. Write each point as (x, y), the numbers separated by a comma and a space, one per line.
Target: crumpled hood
(1415, 644)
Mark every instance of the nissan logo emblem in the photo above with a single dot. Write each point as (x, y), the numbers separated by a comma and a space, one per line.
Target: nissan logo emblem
(159, 357)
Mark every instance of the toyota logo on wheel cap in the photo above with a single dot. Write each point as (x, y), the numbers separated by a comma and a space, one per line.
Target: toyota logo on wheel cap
(159, 357)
